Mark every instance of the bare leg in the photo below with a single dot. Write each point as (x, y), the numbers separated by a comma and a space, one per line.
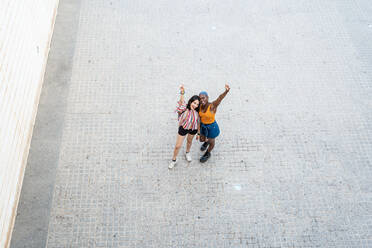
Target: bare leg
(205, 144)
(211, 143)
(207, 154)
(189, 142)
(178, 146)
(203, 138)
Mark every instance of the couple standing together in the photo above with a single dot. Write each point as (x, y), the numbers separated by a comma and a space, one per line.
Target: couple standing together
(197, 117)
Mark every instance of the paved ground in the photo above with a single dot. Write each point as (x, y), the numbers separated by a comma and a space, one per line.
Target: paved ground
(291, 168)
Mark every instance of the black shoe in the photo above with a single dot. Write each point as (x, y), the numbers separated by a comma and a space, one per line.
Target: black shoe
(204, 146)
(205, 157)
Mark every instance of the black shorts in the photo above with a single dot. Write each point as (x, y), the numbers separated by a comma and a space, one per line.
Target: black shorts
(183, 132)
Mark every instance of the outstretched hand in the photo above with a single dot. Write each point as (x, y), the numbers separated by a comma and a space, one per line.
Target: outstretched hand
(227, 87)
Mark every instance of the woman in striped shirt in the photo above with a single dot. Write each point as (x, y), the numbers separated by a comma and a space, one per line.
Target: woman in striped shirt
(189, 124)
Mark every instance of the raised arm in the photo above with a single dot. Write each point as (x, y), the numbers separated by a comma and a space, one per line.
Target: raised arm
(182, 93)
(217, 102)
(181, 103)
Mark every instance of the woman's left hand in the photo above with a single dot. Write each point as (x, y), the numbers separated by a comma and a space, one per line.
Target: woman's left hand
(227, 87)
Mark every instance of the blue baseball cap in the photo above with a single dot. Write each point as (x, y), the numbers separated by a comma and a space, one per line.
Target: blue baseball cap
(203, 93)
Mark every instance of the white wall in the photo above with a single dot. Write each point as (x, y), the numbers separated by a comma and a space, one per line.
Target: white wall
(25, 32)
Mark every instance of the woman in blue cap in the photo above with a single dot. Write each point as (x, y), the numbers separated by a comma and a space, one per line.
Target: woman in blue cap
(209, 129)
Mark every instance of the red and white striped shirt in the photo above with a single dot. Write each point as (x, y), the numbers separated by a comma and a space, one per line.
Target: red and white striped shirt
(187, 118)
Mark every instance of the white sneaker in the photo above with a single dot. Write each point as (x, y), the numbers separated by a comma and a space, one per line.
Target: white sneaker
(172, 164)
(188, 157)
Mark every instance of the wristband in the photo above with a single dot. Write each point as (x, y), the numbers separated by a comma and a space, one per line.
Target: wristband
(182, 92)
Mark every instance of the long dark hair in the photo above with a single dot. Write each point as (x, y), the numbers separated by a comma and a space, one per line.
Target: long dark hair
(193, 98)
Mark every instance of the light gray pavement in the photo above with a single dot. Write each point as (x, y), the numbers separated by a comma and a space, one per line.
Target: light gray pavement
(292, 166)
(31, 226)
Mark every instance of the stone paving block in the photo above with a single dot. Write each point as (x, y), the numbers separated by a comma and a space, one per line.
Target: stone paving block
(292, 166)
